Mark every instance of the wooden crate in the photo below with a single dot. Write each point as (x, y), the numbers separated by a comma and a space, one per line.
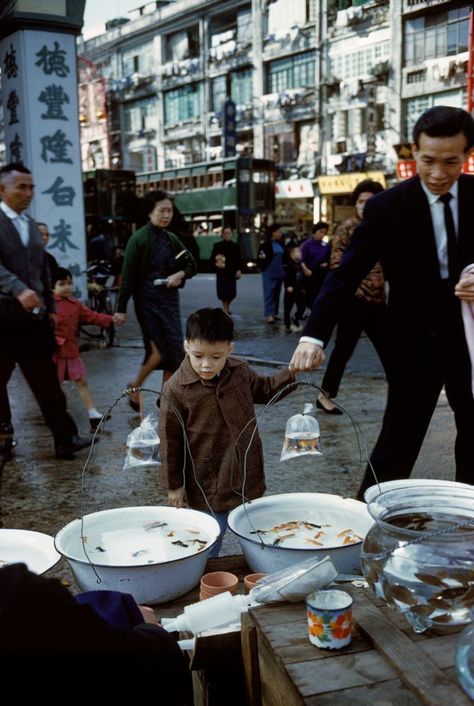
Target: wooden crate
(385, 664)
(216, 661)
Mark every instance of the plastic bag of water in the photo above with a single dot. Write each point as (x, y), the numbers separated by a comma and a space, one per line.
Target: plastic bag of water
(143, 445)
(301, 435)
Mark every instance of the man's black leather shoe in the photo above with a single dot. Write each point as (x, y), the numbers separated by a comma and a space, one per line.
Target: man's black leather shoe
(66, 451)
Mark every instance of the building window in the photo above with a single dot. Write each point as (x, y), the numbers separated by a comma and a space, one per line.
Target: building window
(414, 107)
(182, 45)
(358, 63)
(218, 92)
(140, 115)
(241, 82)
(183, 103)
(138, 60)
(431, 36)
(295, 71)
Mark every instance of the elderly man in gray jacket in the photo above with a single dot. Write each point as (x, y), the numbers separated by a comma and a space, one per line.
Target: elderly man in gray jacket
(26, 311)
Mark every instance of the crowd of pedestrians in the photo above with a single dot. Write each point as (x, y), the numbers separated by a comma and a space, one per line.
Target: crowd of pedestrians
(412, 241)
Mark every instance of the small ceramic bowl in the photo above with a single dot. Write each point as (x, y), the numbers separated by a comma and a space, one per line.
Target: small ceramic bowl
(219, 582)
(251, 580)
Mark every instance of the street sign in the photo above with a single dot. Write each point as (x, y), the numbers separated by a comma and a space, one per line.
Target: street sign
(229, 128)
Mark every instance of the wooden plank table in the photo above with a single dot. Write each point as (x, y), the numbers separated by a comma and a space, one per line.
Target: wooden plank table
(386, 662)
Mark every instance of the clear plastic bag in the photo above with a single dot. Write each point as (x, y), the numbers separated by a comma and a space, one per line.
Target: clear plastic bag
(301, 435)
(143, 445)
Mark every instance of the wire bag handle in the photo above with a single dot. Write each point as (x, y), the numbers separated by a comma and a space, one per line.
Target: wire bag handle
(360, 437)
(92, 454)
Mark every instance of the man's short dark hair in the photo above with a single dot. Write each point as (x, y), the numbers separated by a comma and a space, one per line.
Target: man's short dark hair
(14, 167)
(444, 121)
(59, 274)
(368, 187)
(209, 325)
(320, 225)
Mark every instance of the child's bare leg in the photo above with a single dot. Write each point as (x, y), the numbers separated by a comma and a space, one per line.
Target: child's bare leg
(85, 394)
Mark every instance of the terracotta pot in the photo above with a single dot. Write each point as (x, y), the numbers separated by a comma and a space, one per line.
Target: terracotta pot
(251, 580)
(219, 582)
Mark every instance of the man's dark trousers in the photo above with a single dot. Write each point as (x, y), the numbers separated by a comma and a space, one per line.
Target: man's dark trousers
(30, 344)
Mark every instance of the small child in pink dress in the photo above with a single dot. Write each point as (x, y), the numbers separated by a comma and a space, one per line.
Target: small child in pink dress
(69, 314)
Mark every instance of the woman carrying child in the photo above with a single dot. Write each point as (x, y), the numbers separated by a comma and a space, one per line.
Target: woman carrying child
(70, 313)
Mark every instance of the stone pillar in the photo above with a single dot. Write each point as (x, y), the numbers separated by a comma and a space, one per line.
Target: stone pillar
(39, 92)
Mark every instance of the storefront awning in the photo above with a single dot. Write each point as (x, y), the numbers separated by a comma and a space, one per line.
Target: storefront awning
(294, 189)
(346, 183)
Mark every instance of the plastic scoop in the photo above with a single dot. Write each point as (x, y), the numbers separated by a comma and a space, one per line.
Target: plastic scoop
(295, 582)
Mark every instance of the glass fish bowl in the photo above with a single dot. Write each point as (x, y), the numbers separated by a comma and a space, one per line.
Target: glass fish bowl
(419, 554)
(465, 659)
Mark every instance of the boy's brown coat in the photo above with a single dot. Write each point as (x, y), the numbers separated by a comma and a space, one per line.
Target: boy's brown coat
(214, 416)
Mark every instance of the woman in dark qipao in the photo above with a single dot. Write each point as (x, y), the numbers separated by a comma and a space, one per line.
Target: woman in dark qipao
(156, 264)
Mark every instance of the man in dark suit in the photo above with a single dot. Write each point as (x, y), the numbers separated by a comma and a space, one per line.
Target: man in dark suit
(422, 231)
(26, 310)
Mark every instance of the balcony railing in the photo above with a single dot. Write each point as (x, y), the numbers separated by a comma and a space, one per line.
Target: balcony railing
(174, 71)
(296, 39)
(416, 5)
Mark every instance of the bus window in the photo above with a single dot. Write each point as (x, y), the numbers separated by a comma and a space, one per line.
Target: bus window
(261, 177)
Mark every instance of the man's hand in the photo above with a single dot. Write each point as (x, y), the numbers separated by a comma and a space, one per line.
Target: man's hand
(28, 299)
(238, 274)
(53, 318)
(119, 319)
(307, 356)
(306, 271)
(289, 289)
(176, 279)
(464, 289)
(177, 498)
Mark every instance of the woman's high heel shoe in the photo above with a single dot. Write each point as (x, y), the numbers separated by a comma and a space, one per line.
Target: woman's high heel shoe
(334, 410)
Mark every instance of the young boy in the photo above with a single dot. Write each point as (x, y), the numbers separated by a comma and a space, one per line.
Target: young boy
(214, 394)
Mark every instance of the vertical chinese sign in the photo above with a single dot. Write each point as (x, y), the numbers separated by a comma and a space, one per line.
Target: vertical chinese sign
(39, 92)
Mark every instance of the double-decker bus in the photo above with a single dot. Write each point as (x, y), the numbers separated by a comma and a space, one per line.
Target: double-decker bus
(238, 192)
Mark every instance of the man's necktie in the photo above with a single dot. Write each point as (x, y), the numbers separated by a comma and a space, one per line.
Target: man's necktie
(453, 264)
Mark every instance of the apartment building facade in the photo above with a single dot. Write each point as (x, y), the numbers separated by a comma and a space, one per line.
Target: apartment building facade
(328, 89)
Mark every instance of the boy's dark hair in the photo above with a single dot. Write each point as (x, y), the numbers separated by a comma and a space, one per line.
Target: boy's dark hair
(152, 197)
(444, 121)
(209, 325)
(14, 167)
(60, 273)
(320, 225)
(367, 186)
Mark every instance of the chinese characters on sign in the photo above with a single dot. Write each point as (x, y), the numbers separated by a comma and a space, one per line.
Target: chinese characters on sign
(230, 133)
(39, 93)
(53, 61)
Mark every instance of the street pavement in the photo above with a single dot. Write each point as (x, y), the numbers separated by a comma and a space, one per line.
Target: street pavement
(40, 493)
